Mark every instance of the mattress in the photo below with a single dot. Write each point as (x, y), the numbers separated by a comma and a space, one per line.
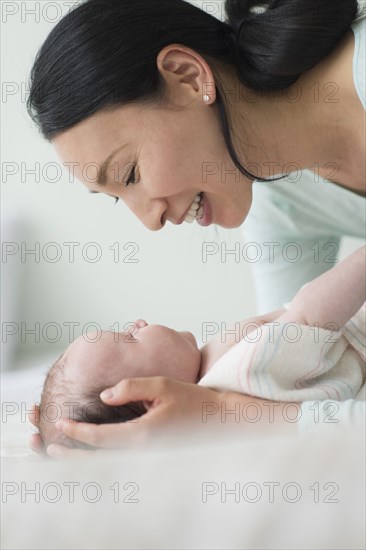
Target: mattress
(226, 491)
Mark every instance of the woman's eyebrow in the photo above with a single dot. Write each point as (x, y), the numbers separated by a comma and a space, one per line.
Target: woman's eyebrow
(102, 174)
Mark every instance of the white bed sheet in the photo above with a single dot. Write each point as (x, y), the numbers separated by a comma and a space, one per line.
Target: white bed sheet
(169, 484)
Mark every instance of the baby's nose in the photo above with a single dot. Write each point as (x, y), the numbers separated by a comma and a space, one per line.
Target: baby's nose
(141, 323)
(135, 326)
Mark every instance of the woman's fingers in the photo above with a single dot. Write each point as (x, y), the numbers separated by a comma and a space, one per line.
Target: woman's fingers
(34, 415)
(108, 436)
(35, 440)
(36, 443)
(123, 434)
(136, 389)
(172, 405)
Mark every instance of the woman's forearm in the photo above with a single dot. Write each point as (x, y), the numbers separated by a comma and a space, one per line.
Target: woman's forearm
(259, 416)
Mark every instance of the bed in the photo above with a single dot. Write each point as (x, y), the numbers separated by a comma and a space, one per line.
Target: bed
(207, 492)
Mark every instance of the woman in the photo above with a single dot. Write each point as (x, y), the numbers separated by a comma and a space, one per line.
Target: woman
(180, 113)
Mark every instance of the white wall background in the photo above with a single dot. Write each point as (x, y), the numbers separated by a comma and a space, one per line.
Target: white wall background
(167, 284)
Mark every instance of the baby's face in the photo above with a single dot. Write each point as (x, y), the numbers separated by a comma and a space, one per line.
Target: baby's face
(144, 350)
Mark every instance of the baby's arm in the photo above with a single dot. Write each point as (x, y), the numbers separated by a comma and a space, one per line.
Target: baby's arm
(333, 298)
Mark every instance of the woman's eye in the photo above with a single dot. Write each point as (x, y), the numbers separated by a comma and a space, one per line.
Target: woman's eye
(131, 178)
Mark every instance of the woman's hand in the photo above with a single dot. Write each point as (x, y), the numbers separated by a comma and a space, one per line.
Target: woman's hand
(54, 450)
(172, 404)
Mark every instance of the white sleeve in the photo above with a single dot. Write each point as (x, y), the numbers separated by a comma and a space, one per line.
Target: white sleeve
(292, 234)
(315, 414)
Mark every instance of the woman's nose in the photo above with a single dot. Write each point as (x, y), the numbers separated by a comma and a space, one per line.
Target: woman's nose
(150, 211)
(152, 214)
(154, 222)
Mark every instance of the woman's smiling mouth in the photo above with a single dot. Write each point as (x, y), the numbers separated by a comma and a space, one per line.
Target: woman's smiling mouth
(195, 211)
(199, 210)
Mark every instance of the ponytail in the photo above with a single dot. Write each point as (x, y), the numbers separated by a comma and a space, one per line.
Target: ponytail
(275, 42)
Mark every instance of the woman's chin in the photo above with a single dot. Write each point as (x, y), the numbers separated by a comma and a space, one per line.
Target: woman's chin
(232, 224)
(236, 218)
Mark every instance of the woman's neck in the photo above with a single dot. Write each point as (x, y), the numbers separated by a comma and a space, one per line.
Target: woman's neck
(317, 124)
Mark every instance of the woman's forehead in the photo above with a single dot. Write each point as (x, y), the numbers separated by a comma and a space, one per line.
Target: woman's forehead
(93, 139)
(96, 141)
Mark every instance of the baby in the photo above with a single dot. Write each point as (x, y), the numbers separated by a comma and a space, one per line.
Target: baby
(73, 384)
(88, 366)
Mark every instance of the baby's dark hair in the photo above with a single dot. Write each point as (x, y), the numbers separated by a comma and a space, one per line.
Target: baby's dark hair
(60, 398)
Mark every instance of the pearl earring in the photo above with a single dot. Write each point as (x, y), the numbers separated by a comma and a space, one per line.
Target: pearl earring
(206, 98)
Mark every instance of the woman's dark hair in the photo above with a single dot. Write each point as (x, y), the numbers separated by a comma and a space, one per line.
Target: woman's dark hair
(103, 53)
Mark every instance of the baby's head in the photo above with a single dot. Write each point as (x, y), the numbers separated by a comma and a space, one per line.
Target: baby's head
(89, 365)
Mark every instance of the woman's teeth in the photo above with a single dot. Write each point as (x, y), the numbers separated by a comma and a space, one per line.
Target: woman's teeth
(196, 209)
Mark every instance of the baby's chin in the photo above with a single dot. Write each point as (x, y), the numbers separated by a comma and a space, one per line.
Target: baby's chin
(190, 379)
